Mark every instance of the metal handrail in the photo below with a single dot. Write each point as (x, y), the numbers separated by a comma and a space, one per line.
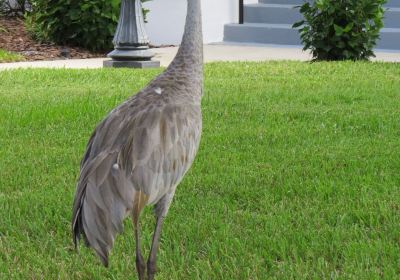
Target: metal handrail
(241, 12)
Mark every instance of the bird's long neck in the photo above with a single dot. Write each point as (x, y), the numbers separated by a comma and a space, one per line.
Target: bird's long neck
(189, 58)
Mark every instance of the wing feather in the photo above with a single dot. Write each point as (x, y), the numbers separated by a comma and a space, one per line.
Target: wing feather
(132, 159)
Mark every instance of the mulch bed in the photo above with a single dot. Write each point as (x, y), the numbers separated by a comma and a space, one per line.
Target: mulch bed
(16, 39)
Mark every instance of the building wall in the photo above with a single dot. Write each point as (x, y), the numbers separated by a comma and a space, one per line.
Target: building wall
(167, 18)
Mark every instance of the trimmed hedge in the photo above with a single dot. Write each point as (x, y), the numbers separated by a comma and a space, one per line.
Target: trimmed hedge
(341, 29)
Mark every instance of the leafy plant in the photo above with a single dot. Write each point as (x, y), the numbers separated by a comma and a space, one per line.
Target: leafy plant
(145, 11)
(88, 23)
(6, 56)
(341, 29)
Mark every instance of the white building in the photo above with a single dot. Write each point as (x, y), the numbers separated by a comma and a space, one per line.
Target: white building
(265, 22)
(167, 18)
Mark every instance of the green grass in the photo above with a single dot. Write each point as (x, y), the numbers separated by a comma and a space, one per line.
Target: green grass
(6, 56)
(297, 176)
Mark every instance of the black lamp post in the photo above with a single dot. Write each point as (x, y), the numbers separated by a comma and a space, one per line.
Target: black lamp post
(131, 44)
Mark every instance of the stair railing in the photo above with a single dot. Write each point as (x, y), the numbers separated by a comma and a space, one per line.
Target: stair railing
(241, 8)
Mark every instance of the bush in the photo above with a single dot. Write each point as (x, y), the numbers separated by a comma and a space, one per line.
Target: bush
(86, 23)
(341, 29)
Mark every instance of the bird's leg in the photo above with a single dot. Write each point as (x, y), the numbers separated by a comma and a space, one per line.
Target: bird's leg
(140, 264)
(151, 263)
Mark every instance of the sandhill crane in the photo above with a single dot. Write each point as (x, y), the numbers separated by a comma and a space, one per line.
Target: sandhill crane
(140, 152)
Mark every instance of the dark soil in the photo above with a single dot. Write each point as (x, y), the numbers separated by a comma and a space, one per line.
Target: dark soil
(13, 37)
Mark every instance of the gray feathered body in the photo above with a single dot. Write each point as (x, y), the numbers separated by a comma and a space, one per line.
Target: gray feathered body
(140, 152)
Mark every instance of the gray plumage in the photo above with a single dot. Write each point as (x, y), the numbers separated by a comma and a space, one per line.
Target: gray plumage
(140, 152)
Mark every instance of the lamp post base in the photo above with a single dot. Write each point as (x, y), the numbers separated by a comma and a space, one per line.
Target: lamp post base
(131, 44)
(131, 64)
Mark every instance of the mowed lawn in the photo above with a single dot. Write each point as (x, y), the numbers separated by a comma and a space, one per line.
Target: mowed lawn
(297, 176)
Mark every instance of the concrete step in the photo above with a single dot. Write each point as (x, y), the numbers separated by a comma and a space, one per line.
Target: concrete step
(390, 3)
(390, 39)
(392, 17)
(288, 14)
(271, 13)
(261, 33)
(270, 22)
(283, 34)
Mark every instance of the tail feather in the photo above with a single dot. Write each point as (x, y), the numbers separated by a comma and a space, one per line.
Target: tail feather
(101, 203)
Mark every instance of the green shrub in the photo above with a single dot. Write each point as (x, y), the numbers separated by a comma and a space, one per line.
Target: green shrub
(6, 56)
(341, 29)
(86, 23)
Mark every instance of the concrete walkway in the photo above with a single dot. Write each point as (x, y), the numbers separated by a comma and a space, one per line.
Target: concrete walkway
(214, 52)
